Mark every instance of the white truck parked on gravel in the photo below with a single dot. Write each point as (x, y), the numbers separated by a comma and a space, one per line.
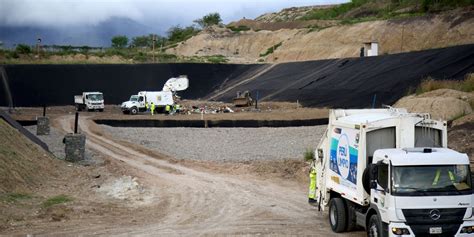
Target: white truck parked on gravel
(160, 99)
(89, 101)
(390, 172)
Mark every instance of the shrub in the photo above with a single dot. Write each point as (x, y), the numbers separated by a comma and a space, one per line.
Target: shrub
(23, 49)
(217, 59)
(430, 84)
(308, 154)
(56, 200)
(271, 49)
(238, 28)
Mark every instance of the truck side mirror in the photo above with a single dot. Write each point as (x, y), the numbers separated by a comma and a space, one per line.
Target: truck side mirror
(320, 155)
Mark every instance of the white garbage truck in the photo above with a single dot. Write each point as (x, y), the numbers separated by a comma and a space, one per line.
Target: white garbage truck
(89, 101)
(160, 99)
(137, 103)
(391, 173)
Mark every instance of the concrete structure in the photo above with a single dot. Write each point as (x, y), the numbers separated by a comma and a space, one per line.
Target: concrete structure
(42, 126)
(75, 147)
(371, 48)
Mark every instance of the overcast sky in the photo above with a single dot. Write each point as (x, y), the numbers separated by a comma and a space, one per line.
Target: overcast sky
(156, 14)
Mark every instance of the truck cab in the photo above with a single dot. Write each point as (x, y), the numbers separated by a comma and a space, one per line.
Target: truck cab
(378, 169)
(419, 192)
(89, 101)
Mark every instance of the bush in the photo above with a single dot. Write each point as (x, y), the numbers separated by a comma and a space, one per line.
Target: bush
(56, 200)
(308, 154)
(217, 59)
(429, 84)
(271, 49)
(333, 12)
(23, 49)
(238, 28)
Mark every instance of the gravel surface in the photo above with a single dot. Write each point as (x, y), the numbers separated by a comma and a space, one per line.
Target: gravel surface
(224, 144)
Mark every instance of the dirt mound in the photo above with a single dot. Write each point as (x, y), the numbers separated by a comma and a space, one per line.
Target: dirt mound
(461, 138)
(442, 104)
(23, 165)
(273, 26)
(394, 36)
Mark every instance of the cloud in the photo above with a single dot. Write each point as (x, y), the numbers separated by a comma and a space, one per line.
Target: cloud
(154, 13)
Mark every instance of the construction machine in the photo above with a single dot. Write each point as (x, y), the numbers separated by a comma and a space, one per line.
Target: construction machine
(243, 99)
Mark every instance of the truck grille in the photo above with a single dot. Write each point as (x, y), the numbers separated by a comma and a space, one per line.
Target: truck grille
(420, 220)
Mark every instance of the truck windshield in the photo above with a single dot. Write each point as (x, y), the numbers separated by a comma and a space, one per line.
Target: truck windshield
(431, 180)
(96, 97)
(134, 98)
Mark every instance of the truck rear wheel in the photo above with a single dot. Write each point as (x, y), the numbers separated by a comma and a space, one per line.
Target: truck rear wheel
(78, 107)
(374, 229)
(337, 215)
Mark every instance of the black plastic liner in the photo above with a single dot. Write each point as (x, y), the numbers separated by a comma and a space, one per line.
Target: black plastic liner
(39, 85)
(336, 83)
(212, 123)
(357, 82)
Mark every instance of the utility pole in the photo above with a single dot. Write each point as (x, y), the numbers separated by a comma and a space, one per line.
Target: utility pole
(154, 40)
(401, 44)
(38, 45)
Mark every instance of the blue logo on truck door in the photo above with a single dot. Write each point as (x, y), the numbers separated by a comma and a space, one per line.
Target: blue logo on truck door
(343, 156)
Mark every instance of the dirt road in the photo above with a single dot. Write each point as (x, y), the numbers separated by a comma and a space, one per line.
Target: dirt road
(193, 202)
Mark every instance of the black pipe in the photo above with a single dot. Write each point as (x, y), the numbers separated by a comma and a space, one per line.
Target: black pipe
(44, 111)
(75, 122)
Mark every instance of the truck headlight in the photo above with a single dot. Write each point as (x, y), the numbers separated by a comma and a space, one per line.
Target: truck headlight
(467, 229)
(400, 231)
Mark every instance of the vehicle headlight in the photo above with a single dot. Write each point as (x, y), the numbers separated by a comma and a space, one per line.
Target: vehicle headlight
(467, 229)
(400, 231)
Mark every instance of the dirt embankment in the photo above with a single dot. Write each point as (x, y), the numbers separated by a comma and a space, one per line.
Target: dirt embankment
(394, 36)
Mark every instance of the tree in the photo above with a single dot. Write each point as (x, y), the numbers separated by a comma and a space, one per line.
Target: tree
(23, 49)
(209, 20)
(142, 41)
(177, 33)
(119, 41)
(147, 41)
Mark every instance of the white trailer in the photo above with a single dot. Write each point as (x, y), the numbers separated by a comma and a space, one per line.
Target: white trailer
(390, 172)
(137, 103)
(89, 101)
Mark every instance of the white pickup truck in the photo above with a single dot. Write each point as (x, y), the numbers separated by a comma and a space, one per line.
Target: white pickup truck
(89, 101)
(390, 172)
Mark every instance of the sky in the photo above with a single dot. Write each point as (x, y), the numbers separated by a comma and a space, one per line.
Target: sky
(159, 15)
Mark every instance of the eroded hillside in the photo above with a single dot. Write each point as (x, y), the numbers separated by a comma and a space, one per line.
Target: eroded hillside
(450, 28)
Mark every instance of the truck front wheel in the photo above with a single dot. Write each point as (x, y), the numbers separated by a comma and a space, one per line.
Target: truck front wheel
(374, 228)
(134, 110)
(337, 215)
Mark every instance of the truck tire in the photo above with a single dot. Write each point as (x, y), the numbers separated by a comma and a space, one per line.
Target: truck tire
(78, 107)
(374, 229)
(101, 110)
(337, 215)
(134, 110)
